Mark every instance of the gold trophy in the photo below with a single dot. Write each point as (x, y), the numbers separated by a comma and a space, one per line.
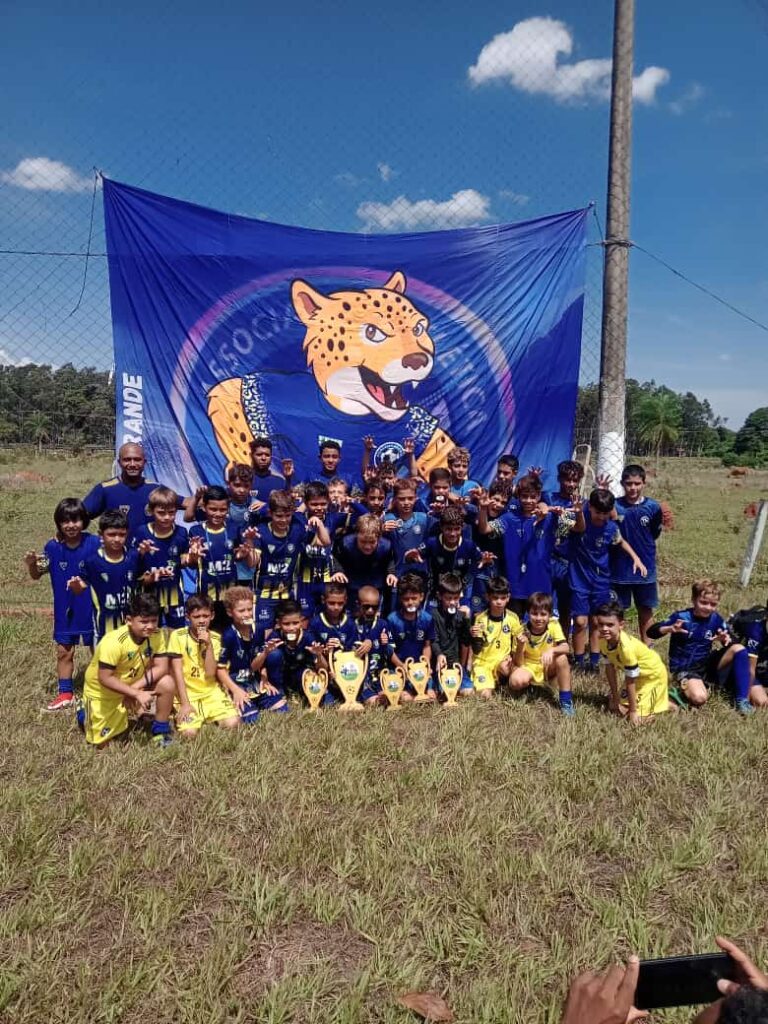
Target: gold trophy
(392, 685)
(348, 672)
(449, 677)
(417, 674)
(315, 686)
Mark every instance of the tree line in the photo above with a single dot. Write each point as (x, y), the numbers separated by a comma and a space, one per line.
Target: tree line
(74, 408)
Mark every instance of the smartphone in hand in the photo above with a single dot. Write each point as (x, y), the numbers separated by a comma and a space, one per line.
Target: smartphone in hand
(682, 980)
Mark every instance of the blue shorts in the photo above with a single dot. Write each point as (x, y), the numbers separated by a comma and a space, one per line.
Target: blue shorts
(645, 595)
(310, 597)
(584, 602)
(267, 701)
(69, 639)
(265, 611)
(173, 618)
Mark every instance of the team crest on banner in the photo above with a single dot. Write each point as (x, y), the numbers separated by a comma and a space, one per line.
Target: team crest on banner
(227, 329)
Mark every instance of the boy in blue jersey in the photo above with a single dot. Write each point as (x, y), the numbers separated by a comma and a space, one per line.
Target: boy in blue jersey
(162, 548)
(406, 529)
(371, 638)
(694, 661)
(569, 476)
(750, 627)
(436, 495)
(330, 457)
(528, 538)
(110, 572)
(491, 544)
(292, 653)
(278, 545)
(315, 566)
(365, 558)
(239, 660)
(64, 558)
(411, 630)
(332, 628)
(451, 552)
(215, 546)
(458, 466)
(589, 570)
(639, 519)
(264, 480)
(507, 468)
(372, 502)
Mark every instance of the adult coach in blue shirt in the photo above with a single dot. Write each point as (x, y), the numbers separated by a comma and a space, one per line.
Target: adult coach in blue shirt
(128, 492)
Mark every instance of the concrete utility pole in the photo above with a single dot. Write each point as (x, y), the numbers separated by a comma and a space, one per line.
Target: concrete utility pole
(613, 346)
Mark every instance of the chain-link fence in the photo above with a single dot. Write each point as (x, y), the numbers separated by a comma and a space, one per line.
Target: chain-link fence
(506, 154)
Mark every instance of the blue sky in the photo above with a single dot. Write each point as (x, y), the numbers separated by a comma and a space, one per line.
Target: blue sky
(350, 117)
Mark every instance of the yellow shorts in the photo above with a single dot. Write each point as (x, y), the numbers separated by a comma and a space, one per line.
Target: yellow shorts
(212, 706)
(105, 717)
(484, 675)
(539, 676)
(652, 698)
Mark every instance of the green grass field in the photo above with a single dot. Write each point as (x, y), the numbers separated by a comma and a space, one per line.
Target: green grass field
(312, 869)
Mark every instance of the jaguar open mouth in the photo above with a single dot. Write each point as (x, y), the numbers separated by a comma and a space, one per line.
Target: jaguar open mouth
(390, 395)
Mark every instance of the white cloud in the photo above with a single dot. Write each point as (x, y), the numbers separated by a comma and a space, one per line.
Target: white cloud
(518, 198)
(386, 173)
(463, 209)
(688, 99)
(725, 357)
(39, 174)
(528, 56)
(6, 359)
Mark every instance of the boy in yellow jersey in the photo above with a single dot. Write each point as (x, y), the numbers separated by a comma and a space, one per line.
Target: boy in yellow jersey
(646, 682)
(494, 634)
(194, 653)
(128, 670)
(541, 655)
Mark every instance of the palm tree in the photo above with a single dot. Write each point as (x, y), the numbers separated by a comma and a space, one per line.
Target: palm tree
(658, 421)
(39, 427)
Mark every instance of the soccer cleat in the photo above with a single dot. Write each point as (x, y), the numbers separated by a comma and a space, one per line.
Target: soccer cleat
(161, 740)
(60, 702)
(568, 710)
(744, 707)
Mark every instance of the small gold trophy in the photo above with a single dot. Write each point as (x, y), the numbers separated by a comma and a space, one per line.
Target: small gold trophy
(349, 672)
(315, 686)
(417, 673)
(450, 677)
(392, 684)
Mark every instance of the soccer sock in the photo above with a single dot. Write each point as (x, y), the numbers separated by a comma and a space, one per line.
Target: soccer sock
(65, 686)
(594, 658)
(578, 659)
(160, 728)
(566, 699)
(741, 675)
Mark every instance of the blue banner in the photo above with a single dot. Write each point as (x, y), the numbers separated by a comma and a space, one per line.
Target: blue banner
(227, 328)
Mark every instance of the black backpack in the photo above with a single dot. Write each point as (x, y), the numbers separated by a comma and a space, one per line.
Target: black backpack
(738, 622)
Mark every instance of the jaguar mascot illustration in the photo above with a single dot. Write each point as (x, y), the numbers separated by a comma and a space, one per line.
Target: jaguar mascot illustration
(365, 350)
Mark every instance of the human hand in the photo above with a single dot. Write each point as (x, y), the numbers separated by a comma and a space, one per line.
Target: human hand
(391, 580)
(268, 688)
(487, 558)
(287, 468)
(146, 547)
(476, 630)
(334, 644)
(203, 637)
(272, 644)
(163, 572)
(368, 443)
(257, 506)
(315, 523)
(409, 446)
(634, 718)
(604, 997)
(339, 577)
(637, 566)
(251, 533)
(613, 705)
(724, 637)
(483, 499)
(547, 659)
(77, 585)
(441, 662)
(413, 555)
(240, 697)
(746, 972)
(390, 525)
(141, 699)
(30, 559)
(184, 713)
(678, 626)
(604, 481)
(537, 471)
(199, 492)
